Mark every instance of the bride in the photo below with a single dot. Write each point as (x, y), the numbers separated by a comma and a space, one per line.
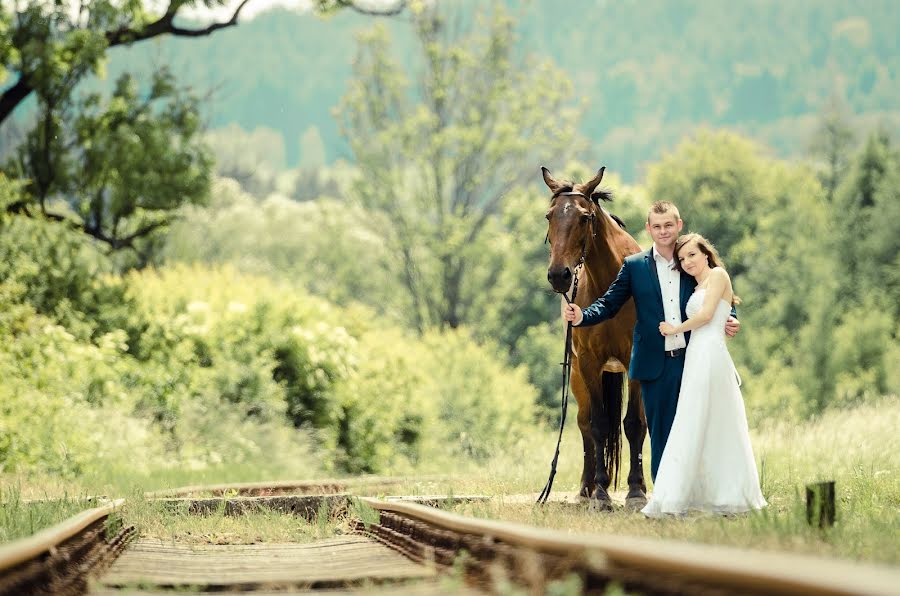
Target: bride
(708, 462)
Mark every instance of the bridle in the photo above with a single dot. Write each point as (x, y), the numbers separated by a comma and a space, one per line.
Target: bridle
(567, 355)
(593, 220)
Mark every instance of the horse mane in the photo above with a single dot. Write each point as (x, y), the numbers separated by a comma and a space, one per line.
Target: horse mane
(606, 194)
(603, 194)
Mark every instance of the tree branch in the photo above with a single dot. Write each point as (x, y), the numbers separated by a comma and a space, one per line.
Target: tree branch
(399, 7)
(165, 24)
(126, 242)
(95, 231)
(13, 96)
(129, 240)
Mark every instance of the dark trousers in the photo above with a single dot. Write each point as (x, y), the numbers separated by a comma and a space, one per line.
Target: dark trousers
(660, 400)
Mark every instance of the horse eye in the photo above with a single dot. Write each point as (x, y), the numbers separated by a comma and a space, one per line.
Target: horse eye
(585, 218)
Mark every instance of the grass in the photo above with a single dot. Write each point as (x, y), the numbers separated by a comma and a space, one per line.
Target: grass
(859, 449)
(156, 521)
(32, 502)
(21, 517)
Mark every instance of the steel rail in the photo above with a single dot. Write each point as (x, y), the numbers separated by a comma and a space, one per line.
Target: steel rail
(60, 558)
(20, 551)
(642, 562)
(68, 552)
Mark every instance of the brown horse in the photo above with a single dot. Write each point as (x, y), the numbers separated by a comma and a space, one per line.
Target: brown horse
(586, 241)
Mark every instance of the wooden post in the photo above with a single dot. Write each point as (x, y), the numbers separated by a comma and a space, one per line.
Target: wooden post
(820, 508)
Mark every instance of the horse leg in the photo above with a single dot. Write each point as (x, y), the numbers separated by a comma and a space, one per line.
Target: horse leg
(582, 396)
(636, 431)
(606, 407)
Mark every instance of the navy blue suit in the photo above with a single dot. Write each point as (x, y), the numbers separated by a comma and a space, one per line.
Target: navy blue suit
(659, 374)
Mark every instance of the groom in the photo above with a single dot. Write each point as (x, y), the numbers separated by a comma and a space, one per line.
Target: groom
(660, 294)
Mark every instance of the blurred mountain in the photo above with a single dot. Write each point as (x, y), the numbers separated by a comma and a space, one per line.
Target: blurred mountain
(647, 71)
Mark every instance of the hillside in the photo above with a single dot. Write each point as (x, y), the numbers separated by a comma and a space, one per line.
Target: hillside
(647, 71)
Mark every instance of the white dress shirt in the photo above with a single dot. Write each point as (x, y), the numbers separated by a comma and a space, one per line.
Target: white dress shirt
(670, 286)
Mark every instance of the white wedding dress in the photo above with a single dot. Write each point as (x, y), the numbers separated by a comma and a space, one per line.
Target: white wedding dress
(708, 462)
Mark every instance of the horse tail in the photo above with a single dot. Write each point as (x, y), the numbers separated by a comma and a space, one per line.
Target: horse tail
(613, 387)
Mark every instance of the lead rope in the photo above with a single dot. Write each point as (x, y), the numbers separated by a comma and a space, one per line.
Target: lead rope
(567, 371)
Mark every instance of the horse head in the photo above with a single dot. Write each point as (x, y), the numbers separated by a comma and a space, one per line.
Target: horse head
(574, 218)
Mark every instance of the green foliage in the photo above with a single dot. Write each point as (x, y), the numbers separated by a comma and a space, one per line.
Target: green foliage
(540, 349)
(60, 275)
(310, 361)
(764, 68)
(481, 406)
(862, 344)
(116, 170)
(65, 407)
(381, 410)
(323, 245)
(817, 277)
(195, 367)
(720, 182)
(831, 144)
(437, 159)
(360, 387)
(141, 156)
(865, 208)
(252, 158)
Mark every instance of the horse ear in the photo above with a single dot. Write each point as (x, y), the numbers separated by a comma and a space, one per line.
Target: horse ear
(550, 181)
(588, 187)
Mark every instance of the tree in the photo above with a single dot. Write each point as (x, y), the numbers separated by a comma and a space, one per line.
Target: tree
(439, 157)
(721, 185)
(865, 213)
(122, 167)
(52, 46)
(253, 158)
(831, 144)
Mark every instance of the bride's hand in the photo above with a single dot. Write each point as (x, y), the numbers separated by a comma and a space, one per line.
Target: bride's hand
(666, 328)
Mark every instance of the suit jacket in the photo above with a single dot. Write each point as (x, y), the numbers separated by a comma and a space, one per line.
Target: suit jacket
(638, 279)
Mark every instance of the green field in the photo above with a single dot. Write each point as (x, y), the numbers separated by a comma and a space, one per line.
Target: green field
(857, 448)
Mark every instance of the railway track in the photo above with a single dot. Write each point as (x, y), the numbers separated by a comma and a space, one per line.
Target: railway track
(399, 545)
(62, 559)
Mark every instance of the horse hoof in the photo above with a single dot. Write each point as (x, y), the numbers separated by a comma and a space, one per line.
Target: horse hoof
(601, 505)
(636, 499)
(635, 503)
(600, 501)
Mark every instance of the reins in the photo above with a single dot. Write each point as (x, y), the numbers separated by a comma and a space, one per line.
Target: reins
(567, 356)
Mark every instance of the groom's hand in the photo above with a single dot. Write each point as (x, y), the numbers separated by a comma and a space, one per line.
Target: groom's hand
(732, 326)
(573, 314)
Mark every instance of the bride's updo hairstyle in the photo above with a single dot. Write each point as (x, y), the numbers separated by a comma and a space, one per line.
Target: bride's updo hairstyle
(707, 248)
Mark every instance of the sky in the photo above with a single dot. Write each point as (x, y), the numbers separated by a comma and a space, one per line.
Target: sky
(256, 7)
(253, 8)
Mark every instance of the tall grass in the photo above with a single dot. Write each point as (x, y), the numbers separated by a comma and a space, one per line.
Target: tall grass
(31, 502)
(859, 449)
(21, 517)
(156, 520)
